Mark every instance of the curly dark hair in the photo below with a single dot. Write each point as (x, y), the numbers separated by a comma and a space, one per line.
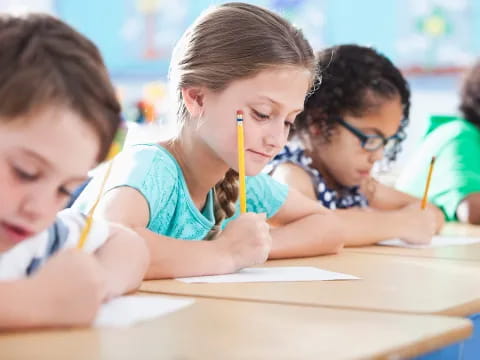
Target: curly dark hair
(352, 79)
(470, 95)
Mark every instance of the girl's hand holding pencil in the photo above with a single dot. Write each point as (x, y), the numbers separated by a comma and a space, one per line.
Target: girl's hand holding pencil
(246, 241)
(419, 225)
(420, 219)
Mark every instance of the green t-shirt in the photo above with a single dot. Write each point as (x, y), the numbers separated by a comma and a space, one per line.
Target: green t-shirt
(455, 143)
(156, 175)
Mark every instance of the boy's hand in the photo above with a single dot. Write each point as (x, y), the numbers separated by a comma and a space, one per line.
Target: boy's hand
(69, 289)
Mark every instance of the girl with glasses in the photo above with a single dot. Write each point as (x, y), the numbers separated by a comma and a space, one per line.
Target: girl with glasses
(355, 115)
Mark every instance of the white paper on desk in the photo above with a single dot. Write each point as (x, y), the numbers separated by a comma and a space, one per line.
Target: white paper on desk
(272, 274)
(437, 241)
(128, 310)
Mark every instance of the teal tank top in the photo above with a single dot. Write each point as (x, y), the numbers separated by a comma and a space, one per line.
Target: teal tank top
(156, 175)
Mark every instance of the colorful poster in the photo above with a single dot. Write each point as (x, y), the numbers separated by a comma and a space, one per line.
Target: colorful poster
(136, 37)
(435, 34)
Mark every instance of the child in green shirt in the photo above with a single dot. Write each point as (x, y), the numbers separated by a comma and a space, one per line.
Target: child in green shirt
(455, 142)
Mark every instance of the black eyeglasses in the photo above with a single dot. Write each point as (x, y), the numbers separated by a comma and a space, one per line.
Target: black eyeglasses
(373, 142)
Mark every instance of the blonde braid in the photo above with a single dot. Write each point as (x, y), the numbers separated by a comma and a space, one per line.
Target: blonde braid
(225, 197)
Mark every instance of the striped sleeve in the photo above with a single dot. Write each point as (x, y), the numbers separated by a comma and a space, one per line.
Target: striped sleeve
(27, 257)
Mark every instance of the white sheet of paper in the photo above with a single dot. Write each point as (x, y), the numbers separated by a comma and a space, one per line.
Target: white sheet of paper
(128, 310)
(437, 241)
(270, 274)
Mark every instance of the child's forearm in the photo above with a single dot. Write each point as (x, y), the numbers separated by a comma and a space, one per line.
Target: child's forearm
(367, 227)
(125, 259)
(172, 258)
(66, 291)
(316, 234)
(16, 308)
(468, 211)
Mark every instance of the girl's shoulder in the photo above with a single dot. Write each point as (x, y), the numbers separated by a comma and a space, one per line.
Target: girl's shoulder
(148, 165)
(150, 156)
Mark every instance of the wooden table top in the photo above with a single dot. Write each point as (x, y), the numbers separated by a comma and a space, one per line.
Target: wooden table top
(225, 329)
(461, 252)
(388, 283)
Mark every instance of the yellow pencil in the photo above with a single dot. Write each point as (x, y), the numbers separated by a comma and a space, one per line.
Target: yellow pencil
(427, 185)
(115, 148)
(241, 162)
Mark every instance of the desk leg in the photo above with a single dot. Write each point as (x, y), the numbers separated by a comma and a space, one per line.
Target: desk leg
(451, 352)
(471, 350)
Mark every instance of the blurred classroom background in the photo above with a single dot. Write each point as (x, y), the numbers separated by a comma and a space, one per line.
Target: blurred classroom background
(432, 41)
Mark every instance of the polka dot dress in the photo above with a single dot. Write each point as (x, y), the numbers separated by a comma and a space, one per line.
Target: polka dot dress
(350, 197)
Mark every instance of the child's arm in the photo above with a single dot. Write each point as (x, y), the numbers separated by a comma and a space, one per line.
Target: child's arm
(245, 241)
(354, 227)
(125, 259)
(383, 197)
(66, 291)
(410, 223)
(308, 229)
(468, 211)
(303, 227)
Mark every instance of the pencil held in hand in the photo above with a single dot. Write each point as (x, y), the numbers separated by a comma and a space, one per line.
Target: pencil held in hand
(115, 148)
(241, 162)
(427, 185)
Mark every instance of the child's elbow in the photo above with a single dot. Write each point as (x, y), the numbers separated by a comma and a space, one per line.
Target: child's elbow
(331, 233)
(135, 247)
(335, 245)
(140, 253)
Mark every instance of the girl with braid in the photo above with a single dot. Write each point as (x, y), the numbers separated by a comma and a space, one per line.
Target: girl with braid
(234, 57)
(355, 116)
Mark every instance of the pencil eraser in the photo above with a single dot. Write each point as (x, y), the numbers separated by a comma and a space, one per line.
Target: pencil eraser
(239, 115)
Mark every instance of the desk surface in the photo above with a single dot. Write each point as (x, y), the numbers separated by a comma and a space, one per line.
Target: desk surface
(388, 283)
(461, 252)
(224, 329)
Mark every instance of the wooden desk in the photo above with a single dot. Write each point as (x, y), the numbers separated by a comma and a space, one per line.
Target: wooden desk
(461, 252)
(452, 228)
(389, 283)
(222, 329)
